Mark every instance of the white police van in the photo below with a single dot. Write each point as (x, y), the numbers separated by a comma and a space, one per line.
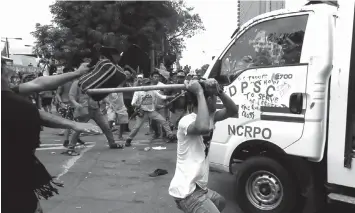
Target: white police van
(291, 72)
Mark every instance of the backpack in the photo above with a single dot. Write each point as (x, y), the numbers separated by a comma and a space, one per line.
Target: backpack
(105, 74)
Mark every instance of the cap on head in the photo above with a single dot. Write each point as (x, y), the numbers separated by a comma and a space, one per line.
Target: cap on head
(181, 74)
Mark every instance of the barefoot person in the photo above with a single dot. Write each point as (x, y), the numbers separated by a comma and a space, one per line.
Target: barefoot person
(189, 184)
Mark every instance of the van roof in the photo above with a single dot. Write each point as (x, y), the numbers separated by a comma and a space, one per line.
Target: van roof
(307, 7)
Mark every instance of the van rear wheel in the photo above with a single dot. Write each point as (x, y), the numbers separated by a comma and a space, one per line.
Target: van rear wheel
(265, 186)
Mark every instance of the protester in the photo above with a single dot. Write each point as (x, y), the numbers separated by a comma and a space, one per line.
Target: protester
(127, 96)
(138, 80)
(178, 107)
(26, 179)
(46, 100)
(86, 109)
(173, 77)
(189, 184)
(189, 76)
(157, 79)
(66, 109)
(145, 101)
(52, 68)
(116, 112)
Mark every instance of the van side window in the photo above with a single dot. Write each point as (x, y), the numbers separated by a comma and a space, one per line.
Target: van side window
(276, 42)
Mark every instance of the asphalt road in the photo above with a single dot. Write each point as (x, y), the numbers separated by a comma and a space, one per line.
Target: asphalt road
(104, 180)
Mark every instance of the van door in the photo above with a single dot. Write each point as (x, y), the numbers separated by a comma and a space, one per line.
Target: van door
(268, 81)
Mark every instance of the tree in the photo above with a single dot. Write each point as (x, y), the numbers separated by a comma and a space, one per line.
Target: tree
(201, 71)
(79, 25)
(184, 24)
(49, 39)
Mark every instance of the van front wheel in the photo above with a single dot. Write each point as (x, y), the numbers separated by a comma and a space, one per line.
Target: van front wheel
(265, 186)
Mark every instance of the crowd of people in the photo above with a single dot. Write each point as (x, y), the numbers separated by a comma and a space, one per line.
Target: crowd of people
(183, 116)
(118, 111)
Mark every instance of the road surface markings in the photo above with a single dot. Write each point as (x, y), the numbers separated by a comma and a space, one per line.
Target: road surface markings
(72, 161)
(59, 144)
(56, 146)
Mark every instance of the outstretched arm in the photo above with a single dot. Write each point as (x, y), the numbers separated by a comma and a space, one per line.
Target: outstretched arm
(53, 121)
(44, 83)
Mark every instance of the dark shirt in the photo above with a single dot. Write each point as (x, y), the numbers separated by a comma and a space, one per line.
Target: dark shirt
(20, 137)
(52, 69)
(179, 103)
(128, 95)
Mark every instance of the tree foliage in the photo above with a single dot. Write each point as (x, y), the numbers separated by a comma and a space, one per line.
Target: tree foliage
(78, 25)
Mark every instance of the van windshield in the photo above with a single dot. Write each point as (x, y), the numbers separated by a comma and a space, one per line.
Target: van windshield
(276, 42)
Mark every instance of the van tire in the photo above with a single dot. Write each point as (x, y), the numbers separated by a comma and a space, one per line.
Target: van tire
(267, 174)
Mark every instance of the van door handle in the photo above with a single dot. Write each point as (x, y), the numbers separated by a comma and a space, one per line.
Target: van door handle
(296, 103)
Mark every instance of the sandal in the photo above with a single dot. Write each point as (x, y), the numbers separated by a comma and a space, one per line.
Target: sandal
(71, 152)
(158, 172)
(80, 142)
(116, 146)
(128, 143)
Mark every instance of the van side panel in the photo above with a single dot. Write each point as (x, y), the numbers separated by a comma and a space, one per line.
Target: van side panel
(262, 96)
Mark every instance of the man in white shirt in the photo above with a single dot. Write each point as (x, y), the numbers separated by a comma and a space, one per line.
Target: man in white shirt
(189, 184)
(145, 101)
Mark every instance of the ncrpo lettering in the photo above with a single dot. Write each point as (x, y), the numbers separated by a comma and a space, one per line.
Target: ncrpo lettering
(249, 131)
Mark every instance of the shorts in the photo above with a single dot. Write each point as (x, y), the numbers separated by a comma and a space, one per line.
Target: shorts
(118, 118)
(46, 101)
(122, 118)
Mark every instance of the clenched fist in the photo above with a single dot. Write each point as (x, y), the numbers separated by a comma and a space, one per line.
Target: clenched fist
(193, 86)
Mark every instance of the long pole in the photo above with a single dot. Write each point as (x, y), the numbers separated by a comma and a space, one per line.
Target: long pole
(133, 89)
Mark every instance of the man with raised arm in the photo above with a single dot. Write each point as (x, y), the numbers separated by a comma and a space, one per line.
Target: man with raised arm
(195, 130)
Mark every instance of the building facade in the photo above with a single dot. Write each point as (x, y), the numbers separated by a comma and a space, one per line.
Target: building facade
(250, 9)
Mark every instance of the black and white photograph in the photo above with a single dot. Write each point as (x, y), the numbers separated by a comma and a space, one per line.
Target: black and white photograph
(193, 106)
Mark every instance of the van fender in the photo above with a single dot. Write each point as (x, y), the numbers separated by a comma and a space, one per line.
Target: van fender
(301, 169)
(250, 148)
